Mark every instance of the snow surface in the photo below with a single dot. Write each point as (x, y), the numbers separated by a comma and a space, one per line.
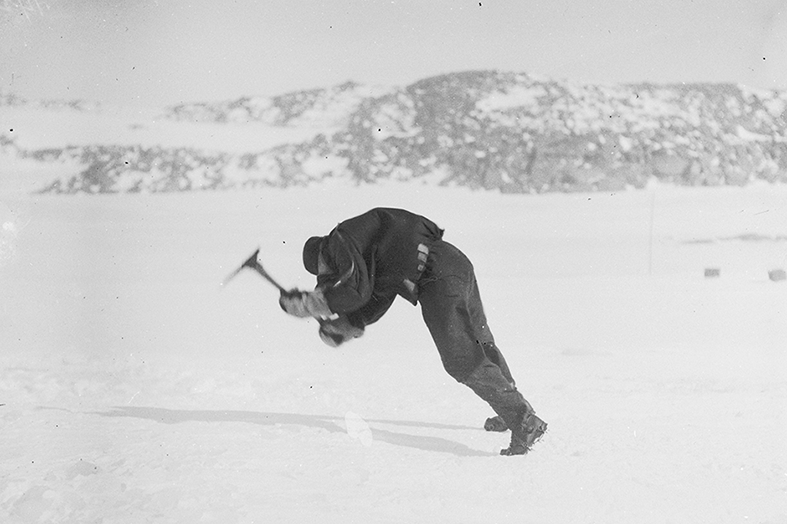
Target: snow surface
(43, 128)
(134, 388)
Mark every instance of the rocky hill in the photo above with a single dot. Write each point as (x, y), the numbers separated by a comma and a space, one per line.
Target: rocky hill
(485, 129)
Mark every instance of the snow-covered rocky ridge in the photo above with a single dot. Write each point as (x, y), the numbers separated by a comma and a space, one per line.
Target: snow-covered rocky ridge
(484, 129)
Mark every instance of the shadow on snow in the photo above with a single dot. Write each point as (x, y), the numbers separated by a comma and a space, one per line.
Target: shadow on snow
(327, 423)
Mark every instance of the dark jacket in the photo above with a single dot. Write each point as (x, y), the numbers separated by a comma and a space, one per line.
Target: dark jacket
(368, 260)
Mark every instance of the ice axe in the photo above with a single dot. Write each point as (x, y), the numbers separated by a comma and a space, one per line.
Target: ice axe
(253, 263)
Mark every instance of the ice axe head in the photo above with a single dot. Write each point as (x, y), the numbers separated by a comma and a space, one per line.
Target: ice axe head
(252, 260)
(250, 263)
(253, 263)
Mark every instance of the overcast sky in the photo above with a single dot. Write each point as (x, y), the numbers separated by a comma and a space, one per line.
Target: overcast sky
(168, 51)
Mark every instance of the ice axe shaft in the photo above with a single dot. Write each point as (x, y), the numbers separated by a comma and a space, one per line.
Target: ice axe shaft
(264, 274)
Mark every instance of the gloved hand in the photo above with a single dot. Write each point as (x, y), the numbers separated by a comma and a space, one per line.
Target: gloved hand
(304, 304)
(338, 331)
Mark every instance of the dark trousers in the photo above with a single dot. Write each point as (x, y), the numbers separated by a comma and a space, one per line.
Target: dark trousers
(453, 312)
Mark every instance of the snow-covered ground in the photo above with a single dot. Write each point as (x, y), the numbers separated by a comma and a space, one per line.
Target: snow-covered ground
(134, 388)
(41, 128)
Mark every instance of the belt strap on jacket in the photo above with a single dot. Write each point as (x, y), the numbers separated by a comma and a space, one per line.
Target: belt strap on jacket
(423, 256)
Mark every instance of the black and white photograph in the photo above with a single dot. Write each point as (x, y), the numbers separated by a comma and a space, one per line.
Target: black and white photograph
(393, 261)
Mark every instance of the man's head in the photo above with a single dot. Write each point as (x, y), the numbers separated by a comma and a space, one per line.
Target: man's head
(311, 254)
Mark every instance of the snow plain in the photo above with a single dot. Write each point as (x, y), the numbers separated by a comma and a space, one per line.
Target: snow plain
(134, 388)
